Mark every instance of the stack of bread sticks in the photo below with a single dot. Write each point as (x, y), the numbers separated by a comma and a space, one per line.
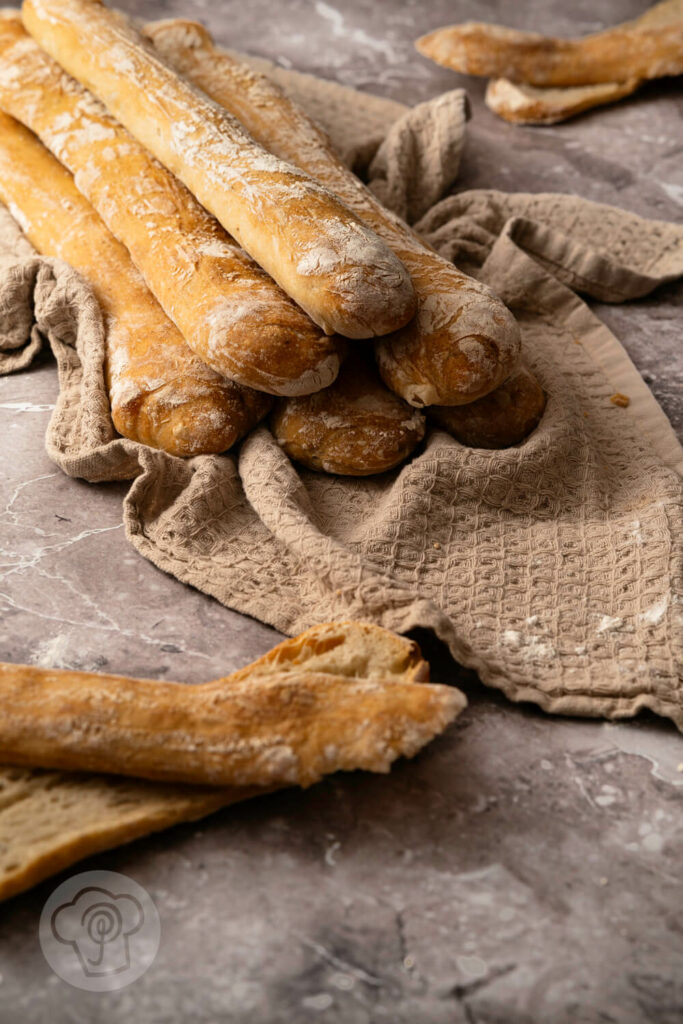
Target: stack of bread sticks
(243, 271)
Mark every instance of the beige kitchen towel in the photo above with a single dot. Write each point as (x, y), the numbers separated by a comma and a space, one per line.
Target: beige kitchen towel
(552, 568)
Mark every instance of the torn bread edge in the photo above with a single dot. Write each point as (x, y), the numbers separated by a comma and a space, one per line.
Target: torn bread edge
(50, 820)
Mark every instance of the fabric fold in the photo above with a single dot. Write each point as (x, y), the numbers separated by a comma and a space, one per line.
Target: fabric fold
(419, 158)
(553, 568)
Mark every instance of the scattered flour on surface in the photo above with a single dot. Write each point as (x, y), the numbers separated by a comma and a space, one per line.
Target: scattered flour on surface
(530, 645)
(655, 613)
(636, 532)
(357, 35)
(674, 192)
(52, 653)
(609, 624)
(25, 407)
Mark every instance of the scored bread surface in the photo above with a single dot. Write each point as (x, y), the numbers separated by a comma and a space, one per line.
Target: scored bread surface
(356, 427)
(332, 264)
(499, 420)
(463, 341)
(160, 393)
(230, 312)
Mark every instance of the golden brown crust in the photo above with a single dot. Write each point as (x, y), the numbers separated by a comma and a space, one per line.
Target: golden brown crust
(160, 393)
(463, 342)
(649, 47)
(229, 311)
(359, 650)
(499, 420)
(525, 104)
(331, 264)
(280, 729)
(254, 728)
(49, 820)
(356, 427)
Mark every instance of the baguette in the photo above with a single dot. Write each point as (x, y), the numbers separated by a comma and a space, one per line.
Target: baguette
(337, 269)
(50, 820)
(228, 310)
(499, 420)
(356, 427)
(463, 342)
(277, 728)
(649, 47)
(160, 393)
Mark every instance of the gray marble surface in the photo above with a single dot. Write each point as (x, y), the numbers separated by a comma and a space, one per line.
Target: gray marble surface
(523, 870)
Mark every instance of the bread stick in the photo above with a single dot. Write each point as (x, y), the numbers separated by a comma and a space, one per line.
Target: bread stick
(499, 420)
(649, 47)
(356, 427)
(286, 728)
(50, 820)
(336, 268)
(160, 393)
(463, 342)
(229, 311)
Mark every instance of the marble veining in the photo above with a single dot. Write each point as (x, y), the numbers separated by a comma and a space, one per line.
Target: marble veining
(523, 870)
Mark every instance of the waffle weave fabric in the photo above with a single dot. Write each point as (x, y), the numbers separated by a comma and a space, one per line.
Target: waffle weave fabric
(553, 568)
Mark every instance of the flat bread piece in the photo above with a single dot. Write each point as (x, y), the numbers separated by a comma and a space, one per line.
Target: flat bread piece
(50, 820)
(651, 46)
(519, 103)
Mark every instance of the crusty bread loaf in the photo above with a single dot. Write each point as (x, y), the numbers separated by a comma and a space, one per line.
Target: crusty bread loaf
(228, 310)
(356, 427)
(335, 267)
(49, 820)
(160, 393)
(499, 420)
(649, 47)
(256, 729)
(463, 341)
